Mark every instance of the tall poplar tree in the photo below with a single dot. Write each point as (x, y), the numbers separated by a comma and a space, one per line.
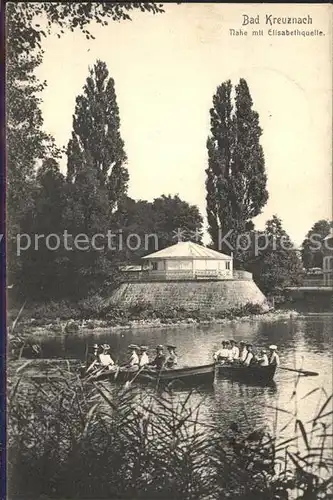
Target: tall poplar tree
(96, 136)
(236, 177)
(97, 175)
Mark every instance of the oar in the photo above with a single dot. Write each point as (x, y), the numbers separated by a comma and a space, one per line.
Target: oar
(91, 366)
(103, 369)
(129, 382)
(18, 316)
(306, 373)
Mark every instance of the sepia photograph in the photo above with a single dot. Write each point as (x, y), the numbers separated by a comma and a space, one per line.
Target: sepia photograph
(168, 251)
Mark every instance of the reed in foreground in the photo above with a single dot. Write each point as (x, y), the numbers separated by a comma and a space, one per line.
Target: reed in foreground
(71, 439)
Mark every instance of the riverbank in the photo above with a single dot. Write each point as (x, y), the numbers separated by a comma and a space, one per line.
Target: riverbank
(41, 326)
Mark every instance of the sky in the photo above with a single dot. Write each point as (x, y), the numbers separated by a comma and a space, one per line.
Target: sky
(166, 69)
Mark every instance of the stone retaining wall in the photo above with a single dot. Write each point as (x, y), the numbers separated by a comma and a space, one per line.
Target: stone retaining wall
(207, 296)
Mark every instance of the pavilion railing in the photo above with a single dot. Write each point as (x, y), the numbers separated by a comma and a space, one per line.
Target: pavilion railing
(178, 275)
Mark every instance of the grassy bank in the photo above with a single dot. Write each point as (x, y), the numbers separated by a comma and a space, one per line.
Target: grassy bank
(66, 317)
(70, 439)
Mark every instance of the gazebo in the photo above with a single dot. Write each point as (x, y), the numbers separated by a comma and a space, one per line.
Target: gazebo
(188, 260)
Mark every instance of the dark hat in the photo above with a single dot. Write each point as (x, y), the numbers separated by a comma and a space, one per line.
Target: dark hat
(227, 341)
(171, 346)
(242, 342)
(233, 341)
(159, 348)
(248, 344)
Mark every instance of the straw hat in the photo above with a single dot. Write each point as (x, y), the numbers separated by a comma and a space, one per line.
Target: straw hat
(143, 348)
(95, 346)
(272, 347)
(171, 346)
(159, 348)
(133, 347)
(106, 347)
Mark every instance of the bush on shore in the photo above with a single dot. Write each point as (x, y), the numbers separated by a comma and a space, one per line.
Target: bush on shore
(94, 308)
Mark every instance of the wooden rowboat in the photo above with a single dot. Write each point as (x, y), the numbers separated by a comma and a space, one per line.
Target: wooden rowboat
(194, 375)
(253, 374)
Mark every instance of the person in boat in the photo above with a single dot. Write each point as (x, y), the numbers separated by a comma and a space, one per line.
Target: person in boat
(93, 359)
(242, 351)
(250, 356)
(143, 358)
(133, 360)
(171, 360)
(159, 360)
(273, 356)
(105, 359)
(223, 355)
(234, 354)
(262, 359)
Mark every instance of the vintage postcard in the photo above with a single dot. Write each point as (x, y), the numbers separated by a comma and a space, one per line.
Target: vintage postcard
(169, 264)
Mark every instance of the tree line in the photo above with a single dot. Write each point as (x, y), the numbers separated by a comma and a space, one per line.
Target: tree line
(92, 196)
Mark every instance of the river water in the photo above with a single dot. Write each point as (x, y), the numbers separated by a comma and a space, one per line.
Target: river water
(305, 340)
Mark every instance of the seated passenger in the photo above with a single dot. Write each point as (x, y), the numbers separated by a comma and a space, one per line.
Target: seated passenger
(234, 350)
(263, 358)
(273, 356)
(92, 358)
(143, 359)
(133, 359)
(223, 355)
(159, 360)
(242, 351)
(104, 358)
(250, 356)
(171, 360)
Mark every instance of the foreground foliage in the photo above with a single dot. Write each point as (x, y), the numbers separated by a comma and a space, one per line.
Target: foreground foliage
(77, 440)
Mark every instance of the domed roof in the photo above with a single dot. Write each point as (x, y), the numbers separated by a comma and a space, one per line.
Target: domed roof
(187, 250)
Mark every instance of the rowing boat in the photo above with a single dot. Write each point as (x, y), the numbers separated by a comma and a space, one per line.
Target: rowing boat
(194, 375)
(248, 374)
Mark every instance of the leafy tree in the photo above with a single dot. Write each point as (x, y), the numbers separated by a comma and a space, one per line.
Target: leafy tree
(272, 258)
(236, 178)
(312, 246)
(27, 25)
(160, 223)
(25, 19)
(45, 219)
(27, 143)
(137, 217)
(175, 219)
